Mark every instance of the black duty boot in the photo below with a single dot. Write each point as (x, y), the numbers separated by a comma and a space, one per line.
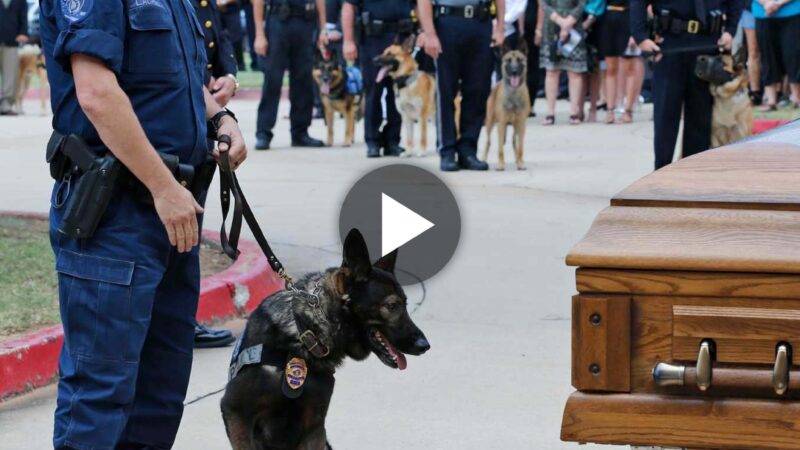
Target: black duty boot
(373, 150)
(205, 337)
(262, 142)
(304, 140)
(448, 163)
(472, 163)
(393, 150)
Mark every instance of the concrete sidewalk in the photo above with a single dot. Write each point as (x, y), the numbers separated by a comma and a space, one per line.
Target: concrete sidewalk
(498, 317)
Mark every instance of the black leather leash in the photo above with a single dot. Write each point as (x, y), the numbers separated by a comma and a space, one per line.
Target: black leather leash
(229, 185)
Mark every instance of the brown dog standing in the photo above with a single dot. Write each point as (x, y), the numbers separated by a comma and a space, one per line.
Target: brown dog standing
(509, 104)
(330, 77)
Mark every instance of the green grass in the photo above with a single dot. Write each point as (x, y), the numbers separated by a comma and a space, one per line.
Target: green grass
(788, 113)
(28, 284)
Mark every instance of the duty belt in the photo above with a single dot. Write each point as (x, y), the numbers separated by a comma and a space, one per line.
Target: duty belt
(285, 10)
(675, 25)
(480, 11)
(377, 27)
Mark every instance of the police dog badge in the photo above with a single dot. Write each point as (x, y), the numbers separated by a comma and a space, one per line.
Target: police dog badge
(295, 377)
(76, 10)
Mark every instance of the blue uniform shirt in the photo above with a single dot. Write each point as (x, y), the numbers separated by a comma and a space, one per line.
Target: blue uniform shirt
(384, 9)
(156, 50)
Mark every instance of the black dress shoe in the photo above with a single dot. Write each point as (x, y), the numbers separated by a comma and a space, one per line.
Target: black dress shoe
(373, 150)
(393, 150)
(304, 140)
(262, 143)
(205, 337)
(448, 163)
(472, 163)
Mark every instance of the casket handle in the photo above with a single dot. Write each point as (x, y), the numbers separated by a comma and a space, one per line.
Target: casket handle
(780, 372)
(704, 365)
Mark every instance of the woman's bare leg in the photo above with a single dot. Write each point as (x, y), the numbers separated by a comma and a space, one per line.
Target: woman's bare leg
(575, 91)
(551, 91)
(612, 71)
(753, 60)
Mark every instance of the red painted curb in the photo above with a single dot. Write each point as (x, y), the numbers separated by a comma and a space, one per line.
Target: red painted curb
(32, 361)
(762, 125)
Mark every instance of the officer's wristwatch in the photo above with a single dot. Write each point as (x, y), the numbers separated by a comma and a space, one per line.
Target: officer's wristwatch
(235, 83)
(215, 122)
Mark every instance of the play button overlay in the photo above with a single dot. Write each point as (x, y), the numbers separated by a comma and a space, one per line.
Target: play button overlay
(404, 207)
(399, 224)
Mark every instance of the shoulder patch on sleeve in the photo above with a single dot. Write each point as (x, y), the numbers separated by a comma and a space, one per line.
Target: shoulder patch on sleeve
(76, 10)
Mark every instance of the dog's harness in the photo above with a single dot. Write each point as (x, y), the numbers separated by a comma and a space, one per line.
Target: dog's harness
(405, 80)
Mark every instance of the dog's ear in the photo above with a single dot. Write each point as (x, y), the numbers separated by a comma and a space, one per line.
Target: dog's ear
(387, 262)
(408, 43)
(523, 46)
(356, 255)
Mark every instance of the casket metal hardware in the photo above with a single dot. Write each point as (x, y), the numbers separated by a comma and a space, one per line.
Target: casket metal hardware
(780, 373)
(668, 374)
(704, 365)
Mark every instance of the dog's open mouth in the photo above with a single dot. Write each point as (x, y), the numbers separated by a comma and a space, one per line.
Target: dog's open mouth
(514, 81)
(325, 89)
(386, 67)
(386, 352)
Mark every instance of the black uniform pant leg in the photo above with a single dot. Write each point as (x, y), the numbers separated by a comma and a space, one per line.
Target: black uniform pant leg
(301, 81)
(274, 65)
(533, 63)
(476, 82)
(371, 47)
(697, 111)
(669, 81)
(447, 85)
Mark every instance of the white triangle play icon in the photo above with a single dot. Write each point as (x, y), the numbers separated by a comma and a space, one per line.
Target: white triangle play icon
(399, 224)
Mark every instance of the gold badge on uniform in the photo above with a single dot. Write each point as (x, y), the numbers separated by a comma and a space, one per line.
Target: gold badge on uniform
(295, 375)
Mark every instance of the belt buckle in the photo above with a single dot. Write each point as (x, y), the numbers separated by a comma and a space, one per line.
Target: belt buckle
(693, 27)
(469, 11)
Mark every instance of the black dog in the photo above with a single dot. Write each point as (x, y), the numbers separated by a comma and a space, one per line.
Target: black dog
(282, 372)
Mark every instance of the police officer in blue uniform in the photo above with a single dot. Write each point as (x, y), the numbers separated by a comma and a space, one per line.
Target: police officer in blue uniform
(685, 29)
(381, 23)
(459, 35)
(285, 42)
(127, 79)
(222, 83)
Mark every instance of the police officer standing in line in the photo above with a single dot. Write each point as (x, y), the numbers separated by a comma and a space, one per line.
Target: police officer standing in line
(381, 23)
(284, 41)
(685, 29)
(127, 79)
(221, 81)
(459, 35)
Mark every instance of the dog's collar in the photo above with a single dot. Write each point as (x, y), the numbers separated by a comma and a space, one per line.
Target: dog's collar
(313, 344)
(402, 82)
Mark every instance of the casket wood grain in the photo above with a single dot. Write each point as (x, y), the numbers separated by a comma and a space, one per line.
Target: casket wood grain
(707, 249)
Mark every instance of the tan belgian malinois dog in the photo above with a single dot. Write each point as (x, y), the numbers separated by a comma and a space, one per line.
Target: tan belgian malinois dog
(414, 90)
(509, 104)
(732, 116)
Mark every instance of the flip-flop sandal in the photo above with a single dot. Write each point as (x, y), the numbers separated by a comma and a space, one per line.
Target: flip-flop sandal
(575, 119)
(610, 118)
(627, 116)
(549, 120)
(769, 108)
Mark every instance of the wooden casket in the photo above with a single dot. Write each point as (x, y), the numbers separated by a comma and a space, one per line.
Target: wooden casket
(688, 306)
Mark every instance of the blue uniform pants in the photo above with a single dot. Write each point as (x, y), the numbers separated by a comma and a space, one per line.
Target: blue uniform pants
(371, 47)
(290, 47)
(465, 65)
(128, 302)
(677, 89)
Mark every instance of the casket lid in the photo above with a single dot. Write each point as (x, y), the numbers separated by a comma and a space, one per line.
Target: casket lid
(734, 209)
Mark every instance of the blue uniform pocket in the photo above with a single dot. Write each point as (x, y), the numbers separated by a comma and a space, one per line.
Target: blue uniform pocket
(152, 42)
(96, 306)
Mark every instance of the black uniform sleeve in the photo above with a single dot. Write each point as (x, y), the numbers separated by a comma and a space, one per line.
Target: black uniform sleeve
(638, 20)
(733, 11)
(23, 18)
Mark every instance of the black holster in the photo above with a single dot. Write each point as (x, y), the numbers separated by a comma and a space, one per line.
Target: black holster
(94, 180)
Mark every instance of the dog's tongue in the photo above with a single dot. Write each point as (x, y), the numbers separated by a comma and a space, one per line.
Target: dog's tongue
(382, 74)
(400, 358)
(514, 80)
(325, 89)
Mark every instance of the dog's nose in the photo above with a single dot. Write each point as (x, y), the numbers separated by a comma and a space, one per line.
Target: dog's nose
(422, 345)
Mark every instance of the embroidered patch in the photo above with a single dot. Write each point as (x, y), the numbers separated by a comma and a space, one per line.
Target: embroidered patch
(76, 10)
(296, 372)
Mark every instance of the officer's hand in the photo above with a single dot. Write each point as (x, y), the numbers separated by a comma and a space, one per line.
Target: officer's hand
(222, 89)
(432, 45)
(350, 51)
(238, 150)
(334, 35)
(322, 40)
(498, 37)
(22, 39)
(725, 41)
(260, 45)
(178, 211)
(649, 46)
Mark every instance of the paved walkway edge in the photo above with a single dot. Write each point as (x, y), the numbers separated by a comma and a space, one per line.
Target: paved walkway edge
(32, 361)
